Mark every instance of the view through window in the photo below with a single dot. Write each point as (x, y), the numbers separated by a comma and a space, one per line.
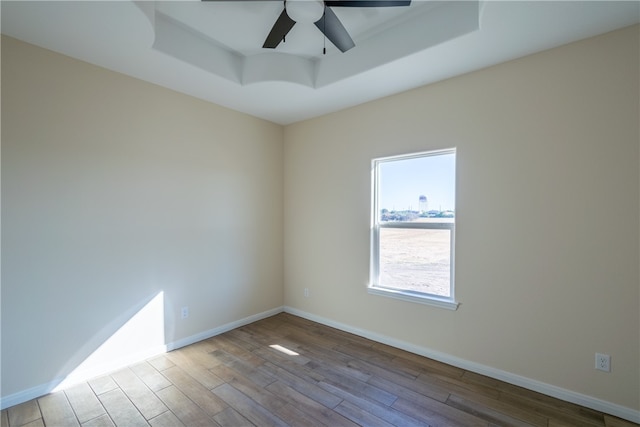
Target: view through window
(414, 224)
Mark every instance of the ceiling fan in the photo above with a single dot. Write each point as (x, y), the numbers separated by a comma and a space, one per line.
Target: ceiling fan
(319, 12)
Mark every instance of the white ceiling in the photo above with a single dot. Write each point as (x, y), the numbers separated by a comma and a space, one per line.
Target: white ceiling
(212, 50)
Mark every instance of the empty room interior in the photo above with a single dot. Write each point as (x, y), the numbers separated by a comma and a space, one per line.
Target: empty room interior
(169, 180)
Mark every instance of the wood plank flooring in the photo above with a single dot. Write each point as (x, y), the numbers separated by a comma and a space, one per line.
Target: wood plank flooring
(288, 371)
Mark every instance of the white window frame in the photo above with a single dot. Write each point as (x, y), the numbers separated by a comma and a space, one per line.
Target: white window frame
(374, 286)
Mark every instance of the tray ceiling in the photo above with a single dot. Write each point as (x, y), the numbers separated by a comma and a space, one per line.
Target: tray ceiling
(213, 50)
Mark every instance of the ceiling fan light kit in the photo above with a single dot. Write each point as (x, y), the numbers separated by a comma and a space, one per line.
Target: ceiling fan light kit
(305, 12)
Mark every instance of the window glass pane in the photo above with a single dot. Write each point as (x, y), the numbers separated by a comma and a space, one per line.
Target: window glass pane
(416, 260)
(417, 187)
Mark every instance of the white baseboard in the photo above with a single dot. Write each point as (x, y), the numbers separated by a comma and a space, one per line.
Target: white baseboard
(222, 329)
(78, 377)
(530, 384)
(28, 394)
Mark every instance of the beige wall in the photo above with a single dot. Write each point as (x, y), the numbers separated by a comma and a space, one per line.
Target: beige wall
(548, 215)
(114, 190)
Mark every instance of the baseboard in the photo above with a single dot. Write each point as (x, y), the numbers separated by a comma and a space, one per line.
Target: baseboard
(222, 329)
(28, 394)
(63, 382)
(530, 384)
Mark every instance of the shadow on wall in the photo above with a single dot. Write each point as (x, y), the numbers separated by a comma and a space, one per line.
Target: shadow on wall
(139, 334)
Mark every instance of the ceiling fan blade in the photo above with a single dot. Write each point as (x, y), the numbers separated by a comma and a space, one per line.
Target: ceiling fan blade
(333, 29)
(283, 25)
(367, 3)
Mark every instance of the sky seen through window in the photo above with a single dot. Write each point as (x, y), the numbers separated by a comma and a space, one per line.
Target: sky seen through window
(402, 182)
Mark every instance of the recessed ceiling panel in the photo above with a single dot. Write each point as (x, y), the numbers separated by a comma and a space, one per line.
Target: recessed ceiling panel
(200, 34)
(213, 50)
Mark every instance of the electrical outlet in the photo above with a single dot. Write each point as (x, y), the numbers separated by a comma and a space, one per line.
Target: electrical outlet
(603, 362)
(306, 292)
(185, 312)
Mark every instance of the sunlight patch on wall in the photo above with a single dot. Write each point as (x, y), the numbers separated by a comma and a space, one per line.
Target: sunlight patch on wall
(141, 337)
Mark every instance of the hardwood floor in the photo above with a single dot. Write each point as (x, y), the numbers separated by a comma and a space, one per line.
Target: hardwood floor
(285, 370)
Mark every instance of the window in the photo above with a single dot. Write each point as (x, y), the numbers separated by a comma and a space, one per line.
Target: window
(413, 227)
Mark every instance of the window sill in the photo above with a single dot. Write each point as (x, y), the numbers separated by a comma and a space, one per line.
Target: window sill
(405, 296)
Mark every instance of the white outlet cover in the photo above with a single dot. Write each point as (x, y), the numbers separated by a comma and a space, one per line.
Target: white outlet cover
(603, 362)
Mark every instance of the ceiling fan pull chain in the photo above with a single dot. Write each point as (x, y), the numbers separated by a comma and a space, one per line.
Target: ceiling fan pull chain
(324, 31)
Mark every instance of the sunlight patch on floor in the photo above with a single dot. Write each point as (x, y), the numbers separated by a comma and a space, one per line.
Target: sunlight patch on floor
(284, 350)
